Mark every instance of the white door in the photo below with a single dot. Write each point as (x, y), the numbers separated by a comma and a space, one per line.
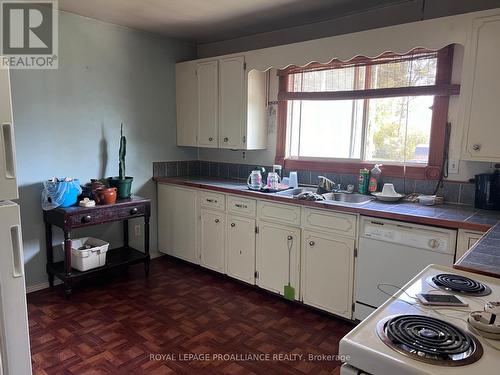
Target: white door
(327, 272)
(481, 90)
(8, 183)
(240, 248)
(177, 222)
(208, 104)
(232, 113)
(186, 88)
(212, 240)
(275, 243)
(14, 335)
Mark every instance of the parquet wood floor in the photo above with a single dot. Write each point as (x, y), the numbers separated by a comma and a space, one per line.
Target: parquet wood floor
(114, 327)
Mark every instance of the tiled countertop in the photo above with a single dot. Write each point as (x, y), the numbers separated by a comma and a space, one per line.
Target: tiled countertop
(484, 257)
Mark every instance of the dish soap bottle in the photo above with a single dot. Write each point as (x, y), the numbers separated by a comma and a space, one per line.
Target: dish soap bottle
(375, 178)
(364, 175)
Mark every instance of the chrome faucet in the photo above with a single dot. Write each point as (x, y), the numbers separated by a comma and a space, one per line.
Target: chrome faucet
(325, 185)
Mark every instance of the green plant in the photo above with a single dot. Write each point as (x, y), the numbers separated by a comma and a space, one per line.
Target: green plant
(121, 154)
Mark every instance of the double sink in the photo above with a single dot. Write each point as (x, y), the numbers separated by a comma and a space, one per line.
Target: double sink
(335, 197)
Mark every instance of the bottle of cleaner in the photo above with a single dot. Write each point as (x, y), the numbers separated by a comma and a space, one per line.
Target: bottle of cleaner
(375, 178)
(364, 175)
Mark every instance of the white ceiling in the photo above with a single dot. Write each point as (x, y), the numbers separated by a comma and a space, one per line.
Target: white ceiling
(212, 20)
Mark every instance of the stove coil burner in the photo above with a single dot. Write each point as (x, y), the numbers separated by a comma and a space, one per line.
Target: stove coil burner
(460, 284)
(429, 340)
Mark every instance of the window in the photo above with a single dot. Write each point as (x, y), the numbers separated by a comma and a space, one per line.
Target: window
(391, 109)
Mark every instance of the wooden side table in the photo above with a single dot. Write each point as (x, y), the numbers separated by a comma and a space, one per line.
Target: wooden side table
(80, 217)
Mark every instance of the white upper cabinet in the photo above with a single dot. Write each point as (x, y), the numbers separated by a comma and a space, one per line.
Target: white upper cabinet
(221, 105)
(232, 103)
(481, 90)
(186, 84)
(208, 104)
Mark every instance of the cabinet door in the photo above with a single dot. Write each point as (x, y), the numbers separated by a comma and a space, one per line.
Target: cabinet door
(177, 222)
(212, 240)
(232, 96)
(327, 272)
(275, 243)
(466, 239)
(240, 248)
(481, 91)
(208, 104)
(186, 88)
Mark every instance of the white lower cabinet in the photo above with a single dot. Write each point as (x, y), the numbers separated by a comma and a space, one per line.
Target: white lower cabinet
(177, 222)
(466, 239)
(327, 272)
(240, 248)
(275, 244)
(212, 240)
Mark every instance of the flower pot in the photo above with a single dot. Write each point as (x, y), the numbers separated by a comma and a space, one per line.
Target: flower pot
(124, 186)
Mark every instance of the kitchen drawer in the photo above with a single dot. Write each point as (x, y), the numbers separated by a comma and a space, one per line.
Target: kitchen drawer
(282, 213)
(328, 221)
(100, 216)
(215, 201)
(241, 206)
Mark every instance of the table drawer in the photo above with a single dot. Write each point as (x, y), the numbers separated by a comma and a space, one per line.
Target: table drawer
(241, 206)
(102, 216)
(282, 213)
(329, 221)
(215, 201)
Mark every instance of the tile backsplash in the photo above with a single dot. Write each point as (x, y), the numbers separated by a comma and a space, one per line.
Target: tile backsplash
(454, 192)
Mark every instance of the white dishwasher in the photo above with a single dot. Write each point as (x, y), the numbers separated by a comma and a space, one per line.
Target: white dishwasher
(392, 252)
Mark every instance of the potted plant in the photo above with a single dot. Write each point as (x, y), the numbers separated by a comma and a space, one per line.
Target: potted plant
(123, 183)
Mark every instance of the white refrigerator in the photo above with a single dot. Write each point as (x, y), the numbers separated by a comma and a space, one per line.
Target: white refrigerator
(15, 357)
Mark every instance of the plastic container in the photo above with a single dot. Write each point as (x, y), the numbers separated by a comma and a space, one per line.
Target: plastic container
(375, 178)
(364, 175)
(60, 193)
(87, 259)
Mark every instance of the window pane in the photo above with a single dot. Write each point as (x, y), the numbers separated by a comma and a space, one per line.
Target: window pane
(326, 129)
(419, 72)
(399, 129)
(345, 79)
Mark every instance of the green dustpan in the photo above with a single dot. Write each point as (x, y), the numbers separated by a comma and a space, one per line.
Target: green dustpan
(289, 291)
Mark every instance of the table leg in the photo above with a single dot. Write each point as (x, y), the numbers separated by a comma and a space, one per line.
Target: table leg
(146, 245)
(67, 252)
(125, 233)
(68, 288)
(50, 251)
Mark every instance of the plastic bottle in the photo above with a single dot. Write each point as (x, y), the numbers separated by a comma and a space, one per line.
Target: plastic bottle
(364, 175)
(375, 178)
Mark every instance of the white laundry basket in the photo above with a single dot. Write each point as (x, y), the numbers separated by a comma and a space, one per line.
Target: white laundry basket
(87, 259)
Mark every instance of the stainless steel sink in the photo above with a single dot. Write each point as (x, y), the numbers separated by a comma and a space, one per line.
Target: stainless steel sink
(351, 198)
(292, 192)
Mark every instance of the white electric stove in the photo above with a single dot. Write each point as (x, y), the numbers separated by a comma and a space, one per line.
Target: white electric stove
(404, 337)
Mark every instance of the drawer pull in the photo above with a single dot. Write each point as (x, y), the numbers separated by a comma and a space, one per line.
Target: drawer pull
(239, 205)
(212, 200)
(217, 221)
(311, 243)
(226, 139)
(133, 211)
(210, 139)
(86, 219)
(476, 147)
(233, 225)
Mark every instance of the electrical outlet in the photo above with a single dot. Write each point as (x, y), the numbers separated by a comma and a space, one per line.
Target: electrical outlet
(243, 155)
(453, 166)
(137, 230)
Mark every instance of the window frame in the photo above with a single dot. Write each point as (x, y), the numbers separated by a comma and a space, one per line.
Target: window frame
(442, 90)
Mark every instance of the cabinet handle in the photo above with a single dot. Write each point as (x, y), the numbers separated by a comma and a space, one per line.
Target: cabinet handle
(241, 205)
(233, 225)
(8, 149)
(476, 147)
(226, 139)
(311, 243)
(217, 221)
(86, 219)
(212, 200)
(289, 238)
(210, 139)
(133, 211)
(15, 234)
